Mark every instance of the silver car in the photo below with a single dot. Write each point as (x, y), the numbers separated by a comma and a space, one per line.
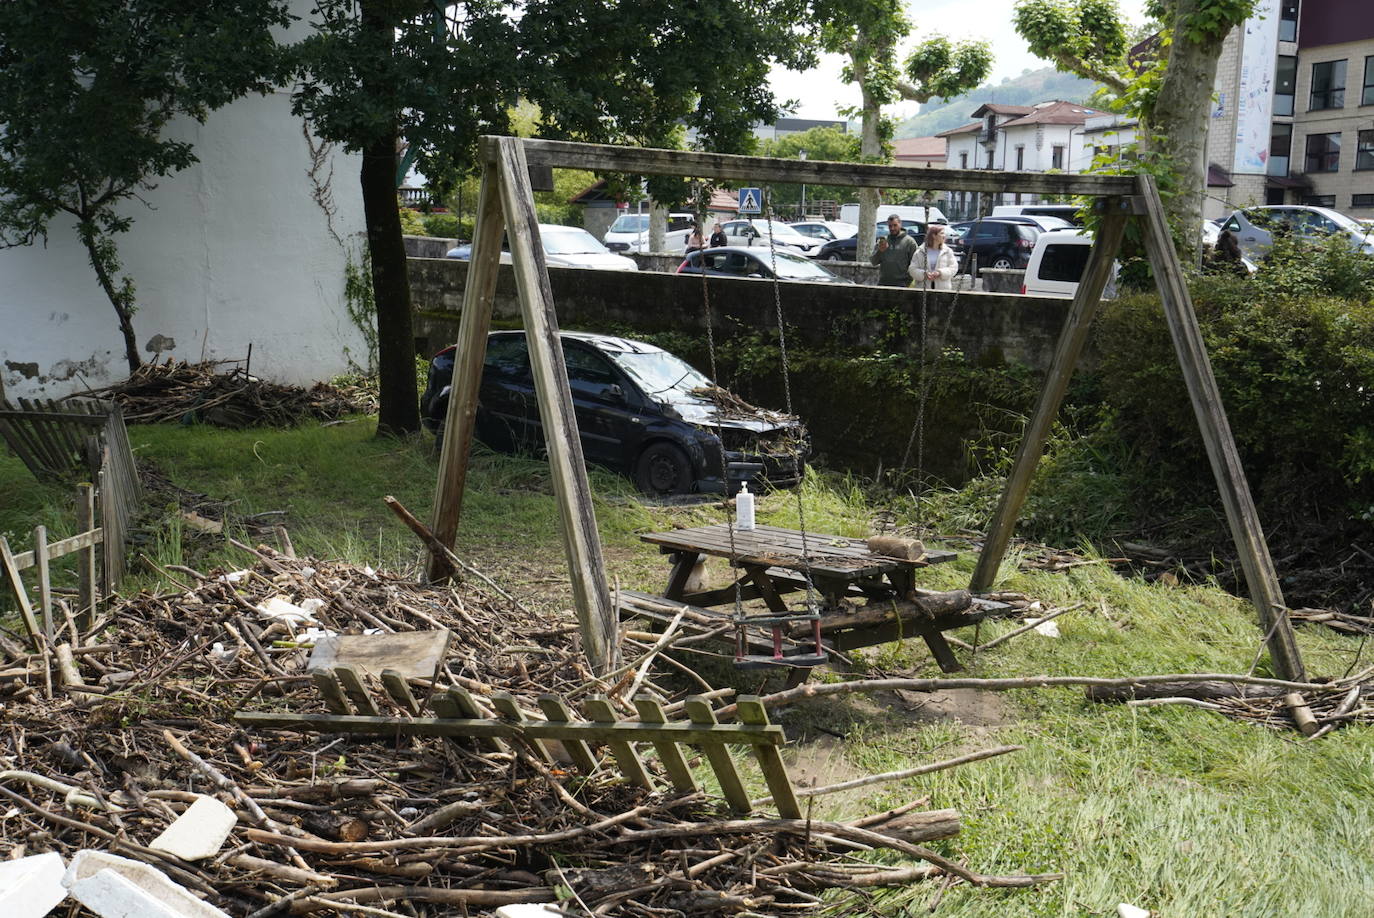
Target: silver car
(1254, 227)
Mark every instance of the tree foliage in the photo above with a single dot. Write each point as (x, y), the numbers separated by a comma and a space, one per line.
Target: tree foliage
(87, 91)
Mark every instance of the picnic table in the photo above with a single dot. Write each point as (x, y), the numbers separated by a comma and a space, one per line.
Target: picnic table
(773, 561)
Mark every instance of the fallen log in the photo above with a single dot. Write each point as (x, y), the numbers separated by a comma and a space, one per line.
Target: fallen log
(918, 607)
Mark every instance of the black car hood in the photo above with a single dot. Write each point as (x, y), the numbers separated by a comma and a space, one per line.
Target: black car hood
(707, 412)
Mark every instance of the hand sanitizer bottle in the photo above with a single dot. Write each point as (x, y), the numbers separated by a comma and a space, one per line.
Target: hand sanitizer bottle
(744, 508)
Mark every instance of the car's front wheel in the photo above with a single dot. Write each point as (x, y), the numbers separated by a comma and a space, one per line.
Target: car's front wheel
(1002, 262)
(663, 469)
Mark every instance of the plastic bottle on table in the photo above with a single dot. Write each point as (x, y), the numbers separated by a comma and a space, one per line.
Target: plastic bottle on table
(744, 508)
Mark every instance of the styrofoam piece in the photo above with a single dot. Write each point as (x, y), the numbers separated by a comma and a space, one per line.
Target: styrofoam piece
(1048, 629)
(117, 887)
(283, 611)
(199, 832)
(233, 576)
(526, 910)
(31, 886)
(1124, 910)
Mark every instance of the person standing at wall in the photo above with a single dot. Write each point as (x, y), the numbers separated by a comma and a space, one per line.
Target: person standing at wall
(933, 266)
(718, 236)
(695, 242)
(893, 254)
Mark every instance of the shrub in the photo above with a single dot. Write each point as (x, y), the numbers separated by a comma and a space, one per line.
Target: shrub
(412, 222)
(445, 226)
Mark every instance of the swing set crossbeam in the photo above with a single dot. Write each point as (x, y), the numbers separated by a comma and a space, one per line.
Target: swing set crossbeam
(507, 204)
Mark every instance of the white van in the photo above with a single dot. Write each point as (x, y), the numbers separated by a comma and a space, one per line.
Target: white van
(630, 233)
(849, 213)
(1067, 212)
(1057, 262)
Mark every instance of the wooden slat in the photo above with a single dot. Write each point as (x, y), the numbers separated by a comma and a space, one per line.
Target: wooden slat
(329, 690)
(457, 702)
(88, 571)
(21, 595)
(83, 540)
(363, 725)
(40, 561)
(1241, 515)
(718, 755)
(506, 705)
(581, 540)
(399, 691)
(469, 354)
(752, 711)
(670, 754)
(1072, 339)
(598, 709)
(650, 161)
(351, 681)
(558, 712)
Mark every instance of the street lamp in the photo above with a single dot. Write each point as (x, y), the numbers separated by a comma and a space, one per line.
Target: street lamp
(801, 154)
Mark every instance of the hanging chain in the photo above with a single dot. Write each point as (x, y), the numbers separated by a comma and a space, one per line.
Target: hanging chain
(787, 397)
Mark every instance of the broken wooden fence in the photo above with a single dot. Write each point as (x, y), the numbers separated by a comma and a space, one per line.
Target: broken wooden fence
(458, 714)
(56, 441)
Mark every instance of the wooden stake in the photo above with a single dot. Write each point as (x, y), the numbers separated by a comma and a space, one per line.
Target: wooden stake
(581, 540)
(40, 561)
(86, 565)
(1067, 352)
(21, 596)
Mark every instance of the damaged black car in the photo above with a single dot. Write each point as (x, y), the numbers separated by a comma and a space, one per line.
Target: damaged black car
(641, 411)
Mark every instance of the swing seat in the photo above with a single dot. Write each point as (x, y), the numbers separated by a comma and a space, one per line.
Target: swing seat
(801, 660)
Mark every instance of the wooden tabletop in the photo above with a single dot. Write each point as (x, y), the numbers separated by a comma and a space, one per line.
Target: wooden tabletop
(824, 554)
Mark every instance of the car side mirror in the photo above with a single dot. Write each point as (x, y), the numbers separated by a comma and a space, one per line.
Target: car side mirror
(613, 392)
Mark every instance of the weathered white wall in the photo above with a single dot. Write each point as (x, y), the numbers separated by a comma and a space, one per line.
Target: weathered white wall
(233, 251)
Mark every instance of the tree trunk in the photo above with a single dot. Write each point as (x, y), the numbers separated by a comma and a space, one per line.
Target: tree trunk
(1181, 119)
(871, 148)
(104, 260)
(658, 227)
(399, 410)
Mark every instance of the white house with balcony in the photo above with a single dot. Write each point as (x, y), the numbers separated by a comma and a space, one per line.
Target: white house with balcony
(1047, 136)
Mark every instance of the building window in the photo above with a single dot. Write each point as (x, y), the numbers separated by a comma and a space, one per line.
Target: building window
(1368, 97)
(1020, 160)
(1057, 157)
(1288, 20)
(1280, 148)
(1328, 85)
(990, 159)
(1319, 200)
(963, 160)
(1364, 150)
(1323, 152)
(1285, 79)
(1362, 200)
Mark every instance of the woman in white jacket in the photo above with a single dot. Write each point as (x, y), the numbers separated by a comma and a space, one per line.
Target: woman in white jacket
(934, 265)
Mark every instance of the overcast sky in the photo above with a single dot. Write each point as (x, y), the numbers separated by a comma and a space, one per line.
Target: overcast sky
(820, 92)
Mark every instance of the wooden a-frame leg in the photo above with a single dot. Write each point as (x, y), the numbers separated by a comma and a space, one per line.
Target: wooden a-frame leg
(1070, 347)
(1255, 561)
(469, 354)
(581, 540)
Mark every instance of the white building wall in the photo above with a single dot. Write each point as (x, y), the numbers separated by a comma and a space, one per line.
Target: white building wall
(231, 252)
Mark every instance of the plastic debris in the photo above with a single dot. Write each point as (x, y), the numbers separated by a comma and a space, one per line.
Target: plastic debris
(199, 832)
(281, 610)
(1048, 629)
(32, 886)
(117, 887)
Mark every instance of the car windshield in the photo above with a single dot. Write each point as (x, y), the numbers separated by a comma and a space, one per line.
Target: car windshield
(795, 266)
(659, 371)
(570, 240)
(630, 223)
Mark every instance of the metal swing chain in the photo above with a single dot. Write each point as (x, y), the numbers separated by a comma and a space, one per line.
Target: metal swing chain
(787, 396)
(720, 431)
(918, 430)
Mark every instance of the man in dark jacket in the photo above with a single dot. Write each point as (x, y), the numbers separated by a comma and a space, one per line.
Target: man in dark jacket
(893, 254)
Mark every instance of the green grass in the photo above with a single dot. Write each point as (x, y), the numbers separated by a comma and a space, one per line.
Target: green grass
(1176, 810)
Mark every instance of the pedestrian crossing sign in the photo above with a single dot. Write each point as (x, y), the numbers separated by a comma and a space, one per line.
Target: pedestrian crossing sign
(750, 200)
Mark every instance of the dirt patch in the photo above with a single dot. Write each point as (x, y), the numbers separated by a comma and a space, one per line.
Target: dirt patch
(967, 706)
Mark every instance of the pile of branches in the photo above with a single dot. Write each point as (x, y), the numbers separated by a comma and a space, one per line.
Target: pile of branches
(129, 720)
(205, 393)
(730, 406)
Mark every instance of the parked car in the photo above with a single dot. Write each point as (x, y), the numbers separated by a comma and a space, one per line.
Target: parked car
(825, 230)
(630, 233)
(845, 249)
(996, 242)
(732, 261)
(641, 411)
(752, 233)
(1057, 263)
(1066, 212)
(564, 247)
(1254, 227)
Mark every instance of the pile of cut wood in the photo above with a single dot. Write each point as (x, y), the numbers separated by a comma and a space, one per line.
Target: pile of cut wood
(124, 742)
(207, 393)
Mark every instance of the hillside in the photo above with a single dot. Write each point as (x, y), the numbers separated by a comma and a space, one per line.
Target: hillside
(1031, 86)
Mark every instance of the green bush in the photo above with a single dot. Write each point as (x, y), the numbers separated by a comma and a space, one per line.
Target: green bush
(1333, 268)
(412, 222)
(447, 226)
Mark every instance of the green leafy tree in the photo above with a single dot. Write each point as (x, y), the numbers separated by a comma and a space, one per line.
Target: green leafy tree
(867, 33)
(823, 143)
(87, 90)
(438, 76)
(1170, 97)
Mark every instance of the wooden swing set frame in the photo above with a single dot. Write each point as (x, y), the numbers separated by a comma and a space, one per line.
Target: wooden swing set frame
(507, 205)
